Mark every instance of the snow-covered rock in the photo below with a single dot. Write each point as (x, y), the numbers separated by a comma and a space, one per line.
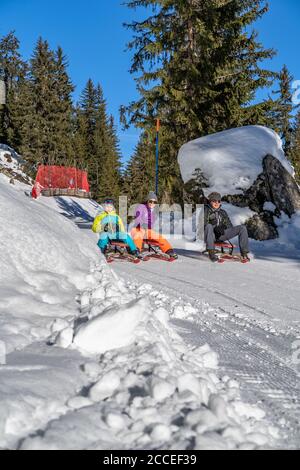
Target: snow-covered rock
(248, 167)
(231, 160)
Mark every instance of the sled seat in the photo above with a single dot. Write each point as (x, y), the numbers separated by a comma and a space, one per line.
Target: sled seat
(224, 246)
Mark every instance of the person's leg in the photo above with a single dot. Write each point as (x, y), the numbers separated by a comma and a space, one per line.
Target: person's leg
(126, 238)
(241, 232)
(103, 241)
(164, 245)
(210, 237)
(138, 236)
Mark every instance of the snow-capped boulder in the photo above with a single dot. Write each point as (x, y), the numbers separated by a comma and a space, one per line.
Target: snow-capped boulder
(248, 167)
(11, 165)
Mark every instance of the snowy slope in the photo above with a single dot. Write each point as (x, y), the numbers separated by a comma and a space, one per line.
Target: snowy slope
(94, 361)
(231, 160)
(44, 261)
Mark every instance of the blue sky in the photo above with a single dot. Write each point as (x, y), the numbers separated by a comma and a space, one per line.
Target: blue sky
(91, 35)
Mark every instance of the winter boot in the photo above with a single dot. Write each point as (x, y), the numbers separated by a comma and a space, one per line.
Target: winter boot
(212, 256)
(172, 254)
(136, 254)
(245, 257)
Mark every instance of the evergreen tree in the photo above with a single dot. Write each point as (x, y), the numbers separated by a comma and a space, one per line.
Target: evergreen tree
(47, 127)
(295, 147)
(198, 69)
(63, 89)
(139, 176)
(110, 180)
(13, 73)
(97, 144)
(284, 109)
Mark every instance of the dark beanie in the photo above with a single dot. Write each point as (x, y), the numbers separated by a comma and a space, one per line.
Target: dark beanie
(214, 197)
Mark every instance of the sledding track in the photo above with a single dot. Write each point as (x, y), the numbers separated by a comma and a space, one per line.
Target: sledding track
(252, 322)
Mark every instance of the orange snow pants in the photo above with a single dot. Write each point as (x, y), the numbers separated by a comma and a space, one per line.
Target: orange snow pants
(139, 235)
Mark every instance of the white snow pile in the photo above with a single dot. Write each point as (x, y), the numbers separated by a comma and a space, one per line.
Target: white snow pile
(148, 389)
(231, 160)
(44, 259)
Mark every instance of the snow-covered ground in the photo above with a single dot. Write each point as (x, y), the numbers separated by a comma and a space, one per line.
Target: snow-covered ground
(186, 355)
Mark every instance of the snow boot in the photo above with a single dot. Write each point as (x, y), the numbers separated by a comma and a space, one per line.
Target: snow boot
(136, 254)
(245, 257)
(172, 254)
(212, 256)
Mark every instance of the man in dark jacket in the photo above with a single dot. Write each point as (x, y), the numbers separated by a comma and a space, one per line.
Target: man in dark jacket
(218, 227)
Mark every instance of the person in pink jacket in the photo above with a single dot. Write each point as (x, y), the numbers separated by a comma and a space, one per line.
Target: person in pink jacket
(145, 218)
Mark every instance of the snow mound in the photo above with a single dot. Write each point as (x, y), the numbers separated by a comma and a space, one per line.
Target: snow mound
(44, 258)
(289, 232)
(231, 160)
(148, 388)
(113, 329)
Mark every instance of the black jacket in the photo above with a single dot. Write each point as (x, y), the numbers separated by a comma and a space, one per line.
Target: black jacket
(219, 219)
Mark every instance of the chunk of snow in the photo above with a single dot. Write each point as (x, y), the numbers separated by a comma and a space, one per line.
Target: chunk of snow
(105, 387)
(112, 329)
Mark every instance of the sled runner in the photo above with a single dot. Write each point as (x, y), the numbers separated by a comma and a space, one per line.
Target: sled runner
(152, 250)
(118, 251)
(225, 252)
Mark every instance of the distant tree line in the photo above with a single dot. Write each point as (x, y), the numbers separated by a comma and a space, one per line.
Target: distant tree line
(198, 65)
(42, 123)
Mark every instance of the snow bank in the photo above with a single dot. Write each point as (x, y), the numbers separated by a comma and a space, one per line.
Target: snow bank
(44, 258)
(148, 388)
(231, 160)
(289, 232)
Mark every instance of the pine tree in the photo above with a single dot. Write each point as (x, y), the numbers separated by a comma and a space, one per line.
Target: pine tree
(47, 127)
(38, 143)
(13, 73)
(295, 147)
(63, 90)
(284, 109)
(198, 68)
(139, 177)
(110, 181)
(97, 144)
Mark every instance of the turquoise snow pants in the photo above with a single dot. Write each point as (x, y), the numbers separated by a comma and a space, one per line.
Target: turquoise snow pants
(122, 237)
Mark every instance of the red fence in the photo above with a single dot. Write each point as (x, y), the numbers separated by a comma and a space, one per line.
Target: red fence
(60, 177)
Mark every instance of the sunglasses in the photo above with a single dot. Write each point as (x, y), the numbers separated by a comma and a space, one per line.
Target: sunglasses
(152, 202)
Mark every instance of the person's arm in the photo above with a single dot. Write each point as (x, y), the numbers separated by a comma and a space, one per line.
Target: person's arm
(97, 225)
